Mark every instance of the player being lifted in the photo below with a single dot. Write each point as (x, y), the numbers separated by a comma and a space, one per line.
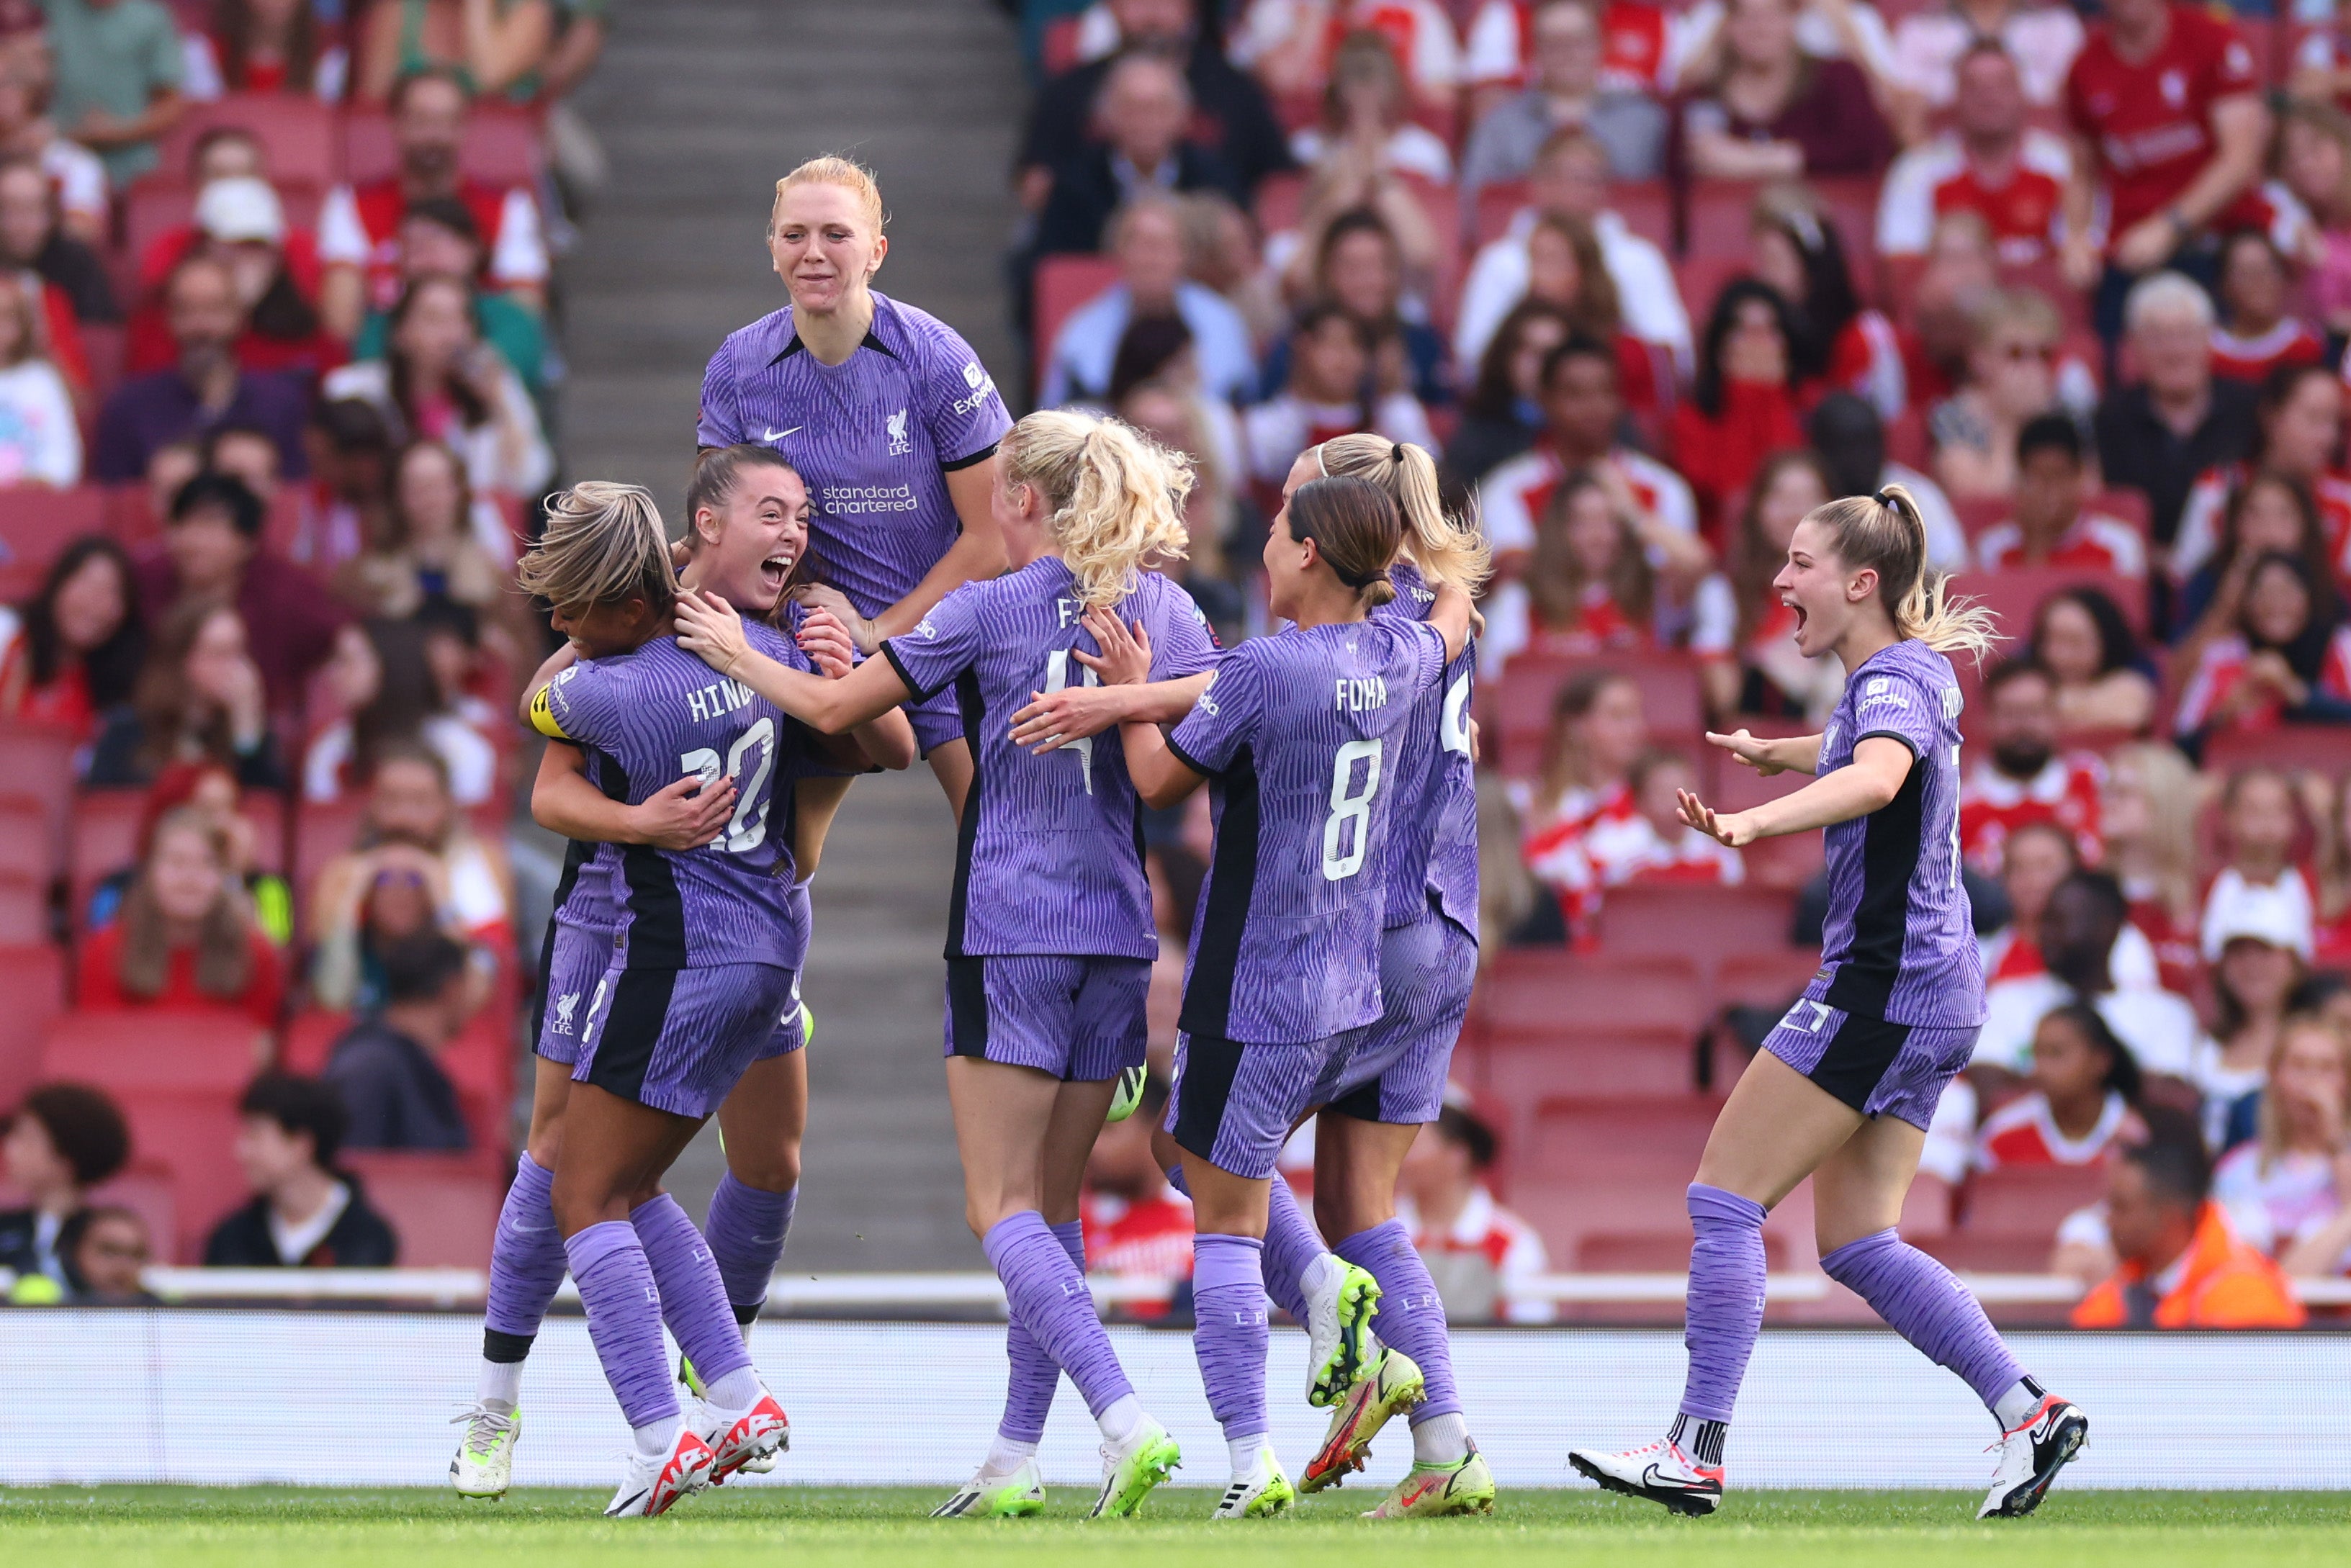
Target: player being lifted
(1844, 1087)
(695, 986)
(1050, 934)
(748, 538)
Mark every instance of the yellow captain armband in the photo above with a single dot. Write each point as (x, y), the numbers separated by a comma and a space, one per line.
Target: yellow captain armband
(542, 715)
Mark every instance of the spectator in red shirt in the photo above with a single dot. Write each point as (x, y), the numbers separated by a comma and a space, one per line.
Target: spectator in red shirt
(1991, 162)
(2032, 860)
(2300, 419)
(2024, 778)
(2049, 527)
(2267, 513)
(2287, 660)
(2255, 336)
(1138, 1229)
(1744, 406)
(186, 937)
(2165, 104)
(269, 46)
(72, 652)
(1771, 112)
(2083, 1099)
(2149, 814)
(240, 223)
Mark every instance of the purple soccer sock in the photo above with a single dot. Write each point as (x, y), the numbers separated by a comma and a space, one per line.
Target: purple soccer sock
(1035, 1377)
(746, 1230)
(1928, 1307)
(1411, 1317)
(1726, 1298)
(1290, 1245)
(693, 1297)
(616, 1285)
(526, 1261)
(1048, 1295)
(1230, 1338)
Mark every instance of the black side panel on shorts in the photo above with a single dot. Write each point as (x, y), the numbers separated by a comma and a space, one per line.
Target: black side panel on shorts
(967, 703)
(633, 1026)
(1857, 1056)
(1890, 847)
(656, 927)
(967, 1003)
(1361, 1103)
(1232, 880)
(1210, 1062)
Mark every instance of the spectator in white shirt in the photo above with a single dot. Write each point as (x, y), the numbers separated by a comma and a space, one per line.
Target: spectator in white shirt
(2079, 927)
(2042, 39)
(40, 442)
(1330, 393)
(2256, 944)
(1481, 1255)
(1364, 108)
(1147, 238)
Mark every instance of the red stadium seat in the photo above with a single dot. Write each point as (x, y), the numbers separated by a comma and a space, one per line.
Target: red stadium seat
(1966, 1252)
(310, 1037)
(1522, 701)
(26, 854)
(2298, 747)
(1611, 1165)
(24, 909)
(2016, 594)
(2125, 506)
(193, 1049)
(1710, 923)
(296, 131)
(321, 831)
(105, 838)
(1978, 512)
(36, 764)
(443, 1207)
(1653, 1252)
(1645, 206)
(1590, 1059)
(1529, 993)
(36, 524)
(1765, 979)
(1717, 213)
(1499, 202)
(1061, 284)
(503, 147)
(2030, 1201)
(33, 980)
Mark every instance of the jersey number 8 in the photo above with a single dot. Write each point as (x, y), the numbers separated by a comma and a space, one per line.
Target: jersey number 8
(1349, 822)
(748, 829)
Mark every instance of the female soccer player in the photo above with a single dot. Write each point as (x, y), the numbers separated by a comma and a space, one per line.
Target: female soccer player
(1049, 934)
(887, 412)
(748, 538)
(1844, 1087)
(696, 982)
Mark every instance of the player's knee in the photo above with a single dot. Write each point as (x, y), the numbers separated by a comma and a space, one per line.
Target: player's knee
(776, 1169)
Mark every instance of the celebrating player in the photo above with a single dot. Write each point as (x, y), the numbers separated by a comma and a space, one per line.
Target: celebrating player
(1049, 934)
(1844, 1087)
(747, 536)
(887, 412)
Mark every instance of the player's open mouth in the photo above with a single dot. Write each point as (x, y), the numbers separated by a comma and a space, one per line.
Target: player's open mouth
(1800, 615)
(773, 569)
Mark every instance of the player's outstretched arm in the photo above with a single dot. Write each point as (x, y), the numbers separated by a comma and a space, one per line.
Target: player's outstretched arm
(1868, 783)
(683, 816)
(1787, 754)
(708, 628)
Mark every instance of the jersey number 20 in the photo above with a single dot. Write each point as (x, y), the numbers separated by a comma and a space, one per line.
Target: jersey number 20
(748, 829)
(1347, 830)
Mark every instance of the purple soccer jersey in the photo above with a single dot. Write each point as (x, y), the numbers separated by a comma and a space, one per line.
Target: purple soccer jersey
(657, 715)
(1050, 856)
(1296, 730)
(874, 437)
(1899, 940)
(1433, 831)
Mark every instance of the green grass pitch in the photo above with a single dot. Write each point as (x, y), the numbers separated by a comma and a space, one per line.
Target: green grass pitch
(194, 1527)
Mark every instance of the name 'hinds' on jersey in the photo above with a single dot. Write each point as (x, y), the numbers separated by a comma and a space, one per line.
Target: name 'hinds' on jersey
(1299, 732)
(1433, 838)
(1050, 856)
(1899, 941)
(656, 714)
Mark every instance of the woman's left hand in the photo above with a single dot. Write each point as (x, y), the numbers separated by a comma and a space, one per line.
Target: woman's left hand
(1736, 829)
(708, 628)
(828, 643)
(830, 600)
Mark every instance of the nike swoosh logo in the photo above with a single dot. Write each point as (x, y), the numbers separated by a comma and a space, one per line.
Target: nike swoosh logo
(631, 1501)
(779, 434)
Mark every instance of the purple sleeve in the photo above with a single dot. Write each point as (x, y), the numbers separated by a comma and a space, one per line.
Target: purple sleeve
(1225, 717)
(720, 424)
(582, 704)
(1181, 642)
(959, 404)
(1899, 705)
(942, 645)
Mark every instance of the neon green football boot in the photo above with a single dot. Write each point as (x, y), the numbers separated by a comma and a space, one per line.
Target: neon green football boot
(1390, 1387)
(1015, 1495)
(1128, 1476)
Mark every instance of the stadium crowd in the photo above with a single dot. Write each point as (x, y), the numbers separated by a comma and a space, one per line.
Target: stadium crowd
(279, 361)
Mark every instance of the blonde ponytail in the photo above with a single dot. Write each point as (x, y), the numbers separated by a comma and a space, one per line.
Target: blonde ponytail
(1113, 497)
(1888, 533)
(604, 544)
(1449, 550)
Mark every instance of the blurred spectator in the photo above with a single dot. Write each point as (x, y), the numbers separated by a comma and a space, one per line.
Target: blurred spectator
(186, 937)
(1171, 416)
(1138, 1229)
(1221, 252)
(2082, 1104)
(1568, 90)
(348, 502)
(2010, 382)
(205, 317)
(2256, 334)
(360, 228)
(73, 286)
(2181, 1264)
(199, 697)
(494, 47)
(2286, 660)
(1364, 117)
(1504, 407)
(1288, 45)
(269, 46)
(1159, 349)
(2287, 1184)
(211, 792)
(1481, 1256)
(64, 1139)
(439, 381)
(117, 78)
(1142, 112)
(2262, 822)
(1360, 267)
(304, 1214)
(1582, 412)
(2079, 927)
(1330, 392)
(70, 655)
(1570, 180)
(1795, 249)
(2266, 513)
(2158, 433)
(1641, 45)
(575, 156)
(387, 1066)
(1759, 670)
(1247, 139)
(240, 224)
(2032, 860)
(1598, 732)
(2314, 165)
(2149, 812)
(1655, 844)
(2256, 942)
(1763, 108)
(385, 692)
(417, 865)
(1851, 439)
(1934, 49)
(26, 130)
(1743, 407)
(1592, 584)
(40, 442)
(428, 544)
(105, 1248)
(2094, 659)
(2049, 527)
(2298, 417)
(439, 238)
(1565, 267)
(1989, 162)
(213, 550)
(2165, 106)
(1147, 237)
(1340, 186)
(2022, 778)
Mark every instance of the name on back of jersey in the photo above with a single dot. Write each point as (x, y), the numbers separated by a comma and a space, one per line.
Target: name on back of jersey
(1360, 694)
(718, 699)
